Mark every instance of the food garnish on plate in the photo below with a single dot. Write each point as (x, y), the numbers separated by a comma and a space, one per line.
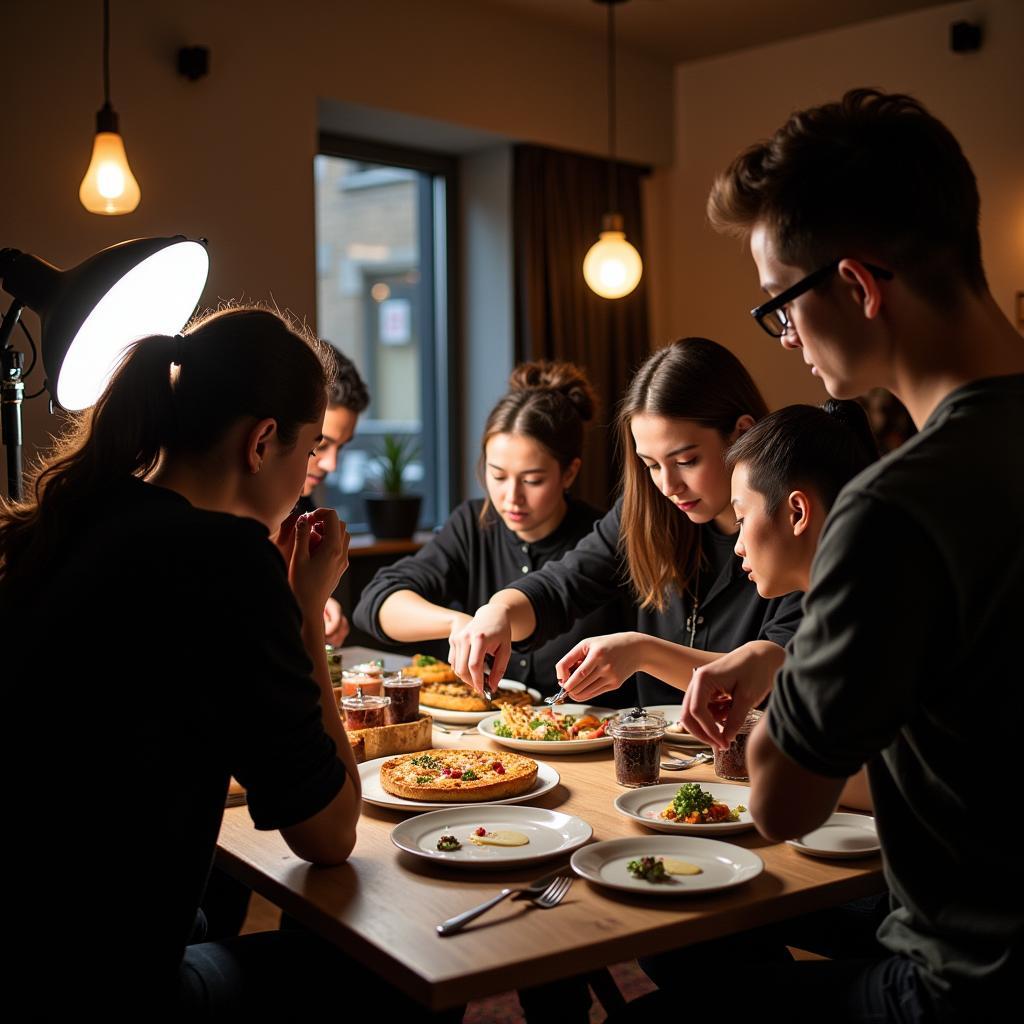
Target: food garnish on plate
(503, 837)
(546, 724)
(695, 806)
(458, 776)
(661, 869)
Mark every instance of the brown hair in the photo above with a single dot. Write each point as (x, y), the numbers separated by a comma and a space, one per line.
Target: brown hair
(547, 402)
(875, 174)
(238, 362)
(691, 379)
(821, 447)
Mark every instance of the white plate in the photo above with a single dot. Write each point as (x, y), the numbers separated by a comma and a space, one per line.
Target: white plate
(486, 728)
(724, 865)
(550, 833)
(645, 804)
(843, 836)
(374, 793)
(677, 739)
(472, 717)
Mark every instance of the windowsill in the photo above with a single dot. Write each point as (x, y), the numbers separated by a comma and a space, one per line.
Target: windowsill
(365, 545)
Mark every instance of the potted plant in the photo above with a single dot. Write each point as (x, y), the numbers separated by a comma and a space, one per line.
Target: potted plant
(394, 514)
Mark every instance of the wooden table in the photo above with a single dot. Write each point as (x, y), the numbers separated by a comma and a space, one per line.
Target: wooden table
(381, 907)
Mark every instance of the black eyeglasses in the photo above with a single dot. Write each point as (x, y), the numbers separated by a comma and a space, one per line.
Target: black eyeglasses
(772, 316)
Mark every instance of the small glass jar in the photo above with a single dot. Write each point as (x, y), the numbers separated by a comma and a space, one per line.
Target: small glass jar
(404, 692)
(367, 677)
(365, 712)
(636, 745)
(731, 763)
(334, 664)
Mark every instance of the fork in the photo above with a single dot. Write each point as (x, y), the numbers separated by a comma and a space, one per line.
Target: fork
(676, 765)
(455, 733)
(550, 896)
(558, 698)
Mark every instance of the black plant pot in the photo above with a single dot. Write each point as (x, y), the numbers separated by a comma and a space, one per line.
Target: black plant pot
(393, 516)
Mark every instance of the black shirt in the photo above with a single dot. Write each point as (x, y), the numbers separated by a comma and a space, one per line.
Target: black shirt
(906, 661)
(466, 563)
(161, 655)
(729, 613)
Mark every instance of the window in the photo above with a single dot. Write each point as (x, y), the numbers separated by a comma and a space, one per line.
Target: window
(383, 298)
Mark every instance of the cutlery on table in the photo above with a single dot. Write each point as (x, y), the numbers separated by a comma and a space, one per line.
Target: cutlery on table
(456, 733)
(676, 765)
(546, 892)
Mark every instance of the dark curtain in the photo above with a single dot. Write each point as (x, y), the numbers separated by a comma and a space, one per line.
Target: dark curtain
(559, 199)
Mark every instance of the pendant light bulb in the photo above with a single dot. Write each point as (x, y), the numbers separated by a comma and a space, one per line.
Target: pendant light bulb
(109, 187)
(612, 267)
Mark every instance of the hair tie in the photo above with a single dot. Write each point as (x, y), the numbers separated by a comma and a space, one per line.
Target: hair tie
(179, 349)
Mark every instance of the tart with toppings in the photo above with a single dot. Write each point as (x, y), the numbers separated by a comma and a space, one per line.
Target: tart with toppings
(442, 688)
(458, 776)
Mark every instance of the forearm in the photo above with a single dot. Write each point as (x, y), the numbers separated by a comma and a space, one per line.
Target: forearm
(669, 662)
(857, 792)
(521, 616)
(313, 641)
(407, 617)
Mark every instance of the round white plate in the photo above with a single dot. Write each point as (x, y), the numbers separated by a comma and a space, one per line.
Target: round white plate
(843, 836)
(724, 865)
(550, 833)
(677, 739)
(645, 804)
(486, 728)
(472, 717)
(374, 793)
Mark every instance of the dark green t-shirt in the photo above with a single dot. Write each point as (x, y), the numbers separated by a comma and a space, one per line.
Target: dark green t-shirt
(908, 659)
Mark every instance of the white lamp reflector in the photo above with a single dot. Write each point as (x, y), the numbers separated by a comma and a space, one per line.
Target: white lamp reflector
(157, 296)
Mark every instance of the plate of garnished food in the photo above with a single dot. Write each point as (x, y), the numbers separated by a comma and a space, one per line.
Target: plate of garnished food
(489, 836)
(674, 731)
(434, 779)
(666, 865)
(699, 809)
(446, 698)
(565, 729)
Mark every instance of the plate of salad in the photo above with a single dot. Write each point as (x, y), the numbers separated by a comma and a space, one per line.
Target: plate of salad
(698, 809)
(565, 729)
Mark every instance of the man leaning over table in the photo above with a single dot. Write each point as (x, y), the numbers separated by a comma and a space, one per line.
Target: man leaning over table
(862, 218)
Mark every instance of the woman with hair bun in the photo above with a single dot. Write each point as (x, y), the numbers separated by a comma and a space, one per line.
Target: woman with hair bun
(531, 452)
(195, 653)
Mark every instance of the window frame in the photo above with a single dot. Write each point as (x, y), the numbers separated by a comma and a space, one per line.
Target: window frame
(441, 346)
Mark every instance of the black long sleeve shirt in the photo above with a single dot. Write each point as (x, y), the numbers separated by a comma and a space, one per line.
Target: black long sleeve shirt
(467, 562)
(730, 612)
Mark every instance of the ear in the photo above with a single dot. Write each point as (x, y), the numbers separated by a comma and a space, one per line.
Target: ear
(570, 473)
(743, 424)
(256, 443)
(801, 510)
(863, 285)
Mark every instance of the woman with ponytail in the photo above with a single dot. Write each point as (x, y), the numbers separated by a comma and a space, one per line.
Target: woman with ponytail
(667, 544)
(531, 452)
(196, 652)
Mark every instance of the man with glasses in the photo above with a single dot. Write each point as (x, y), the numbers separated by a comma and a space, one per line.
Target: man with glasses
(862, 218)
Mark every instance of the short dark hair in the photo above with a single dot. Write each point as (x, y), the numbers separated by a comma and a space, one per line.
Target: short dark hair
(805, 446)
(349, 389)
(873, 172)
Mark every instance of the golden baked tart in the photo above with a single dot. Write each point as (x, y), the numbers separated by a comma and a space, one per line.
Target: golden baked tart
(458, 776)
(442, 688)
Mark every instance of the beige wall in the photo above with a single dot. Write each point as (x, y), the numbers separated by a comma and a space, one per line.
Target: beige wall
(230, 157)
(724, 104)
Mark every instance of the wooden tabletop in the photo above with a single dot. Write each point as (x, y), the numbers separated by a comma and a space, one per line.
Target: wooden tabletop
(382, 906)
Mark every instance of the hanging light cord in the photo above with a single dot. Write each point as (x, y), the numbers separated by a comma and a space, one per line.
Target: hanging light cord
(612, 183)
(106, 53)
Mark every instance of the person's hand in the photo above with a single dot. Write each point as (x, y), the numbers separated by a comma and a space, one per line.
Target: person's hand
(319, 557)
(487, 634)
(458, 620)
(336, 626)
(599, 664)
(721, 693)
(284, 539)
